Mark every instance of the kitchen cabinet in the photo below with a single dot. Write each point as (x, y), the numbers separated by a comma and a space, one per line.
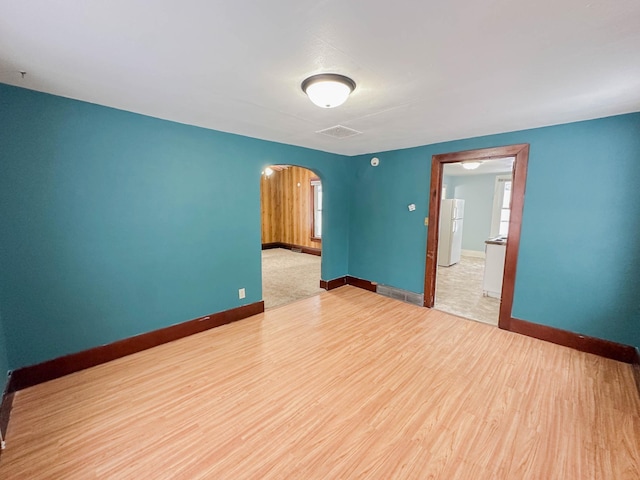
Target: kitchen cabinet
(495, 250)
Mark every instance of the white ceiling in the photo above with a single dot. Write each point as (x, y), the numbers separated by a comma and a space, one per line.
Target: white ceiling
(426, 71)
(498, 165)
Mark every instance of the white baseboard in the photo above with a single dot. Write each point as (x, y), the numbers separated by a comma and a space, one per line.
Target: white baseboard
(472, 253)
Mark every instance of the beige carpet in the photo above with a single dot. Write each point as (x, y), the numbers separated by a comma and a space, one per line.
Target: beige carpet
(288, 276)
(459, 291)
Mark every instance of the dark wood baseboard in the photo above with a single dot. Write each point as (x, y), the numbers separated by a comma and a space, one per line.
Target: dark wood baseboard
(360, 283)
(335, 283)
(636, 369)
(32, 375)
(597, 346)
(348, 280)
(5, 406)
(291, 246)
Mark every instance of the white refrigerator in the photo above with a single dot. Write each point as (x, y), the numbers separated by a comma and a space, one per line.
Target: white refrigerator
(450, 241)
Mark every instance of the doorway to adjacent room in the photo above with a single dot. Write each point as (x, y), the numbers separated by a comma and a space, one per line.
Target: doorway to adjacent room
(512, 221)
(473, 229)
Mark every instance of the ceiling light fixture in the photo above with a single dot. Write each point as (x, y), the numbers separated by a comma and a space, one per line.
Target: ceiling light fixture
(267, 171)
(471, 165)
(328, 90)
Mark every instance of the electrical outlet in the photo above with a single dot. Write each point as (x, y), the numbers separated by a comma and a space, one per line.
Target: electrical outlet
(241, 293)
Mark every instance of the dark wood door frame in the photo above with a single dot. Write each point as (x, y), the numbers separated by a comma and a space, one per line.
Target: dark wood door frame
(521, 154)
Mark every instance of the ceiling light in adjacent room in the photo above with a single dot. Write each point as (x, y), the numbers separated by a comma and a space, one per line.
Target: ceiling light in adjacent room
(328, 90)
(471, 165)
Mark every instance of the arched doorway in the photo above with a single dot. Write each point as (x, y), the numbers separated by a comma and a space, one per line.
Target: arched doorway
(291, 211)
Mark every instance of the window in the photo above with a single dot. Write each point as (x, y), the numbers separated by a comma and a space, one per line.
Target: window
(501, 206)
(316, 209)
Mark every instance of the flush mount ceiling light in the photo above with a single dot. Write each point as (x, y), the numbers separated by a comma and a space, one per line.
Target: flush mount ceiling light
(471, 165)
(328, 90)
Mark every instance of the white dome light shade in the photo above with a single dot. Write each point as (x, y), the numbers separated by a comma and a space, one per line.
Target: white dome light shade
(328, 94)
(470, 165)
(328, 90)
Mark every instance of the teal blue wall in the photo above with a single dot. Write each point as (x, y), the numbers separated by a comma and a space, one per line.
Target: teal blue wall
(113, 224)
(579, 260)
(477, 192)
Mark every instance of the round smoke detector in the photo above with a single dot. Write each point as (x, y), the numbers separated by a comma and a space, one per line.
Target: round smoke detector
(375, 161)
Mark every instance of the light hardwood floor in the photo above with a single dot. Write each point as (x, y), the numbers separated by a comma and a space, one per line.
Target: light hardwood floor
(347, 384)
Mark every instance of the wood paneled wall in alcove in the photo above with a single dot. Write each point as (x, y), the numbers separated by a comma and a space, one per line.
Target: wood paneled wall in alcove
(286, 207)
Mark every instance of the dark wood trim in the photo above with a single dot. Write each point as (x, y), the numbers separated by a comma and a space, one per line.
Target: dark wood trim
(482, 153)
(360, 283)
(518, 186)
(312, 203)
(32, 375)
(348, 280)
(521, 154)
(291, 246)
(583, 343)
(335, 283)
(433, 230)
(302, 248)
(5, 406)
(636, 369)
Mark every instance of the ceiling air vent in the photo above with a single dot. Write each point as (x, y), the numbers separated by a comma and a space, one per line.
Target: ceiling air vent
(339, 132)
